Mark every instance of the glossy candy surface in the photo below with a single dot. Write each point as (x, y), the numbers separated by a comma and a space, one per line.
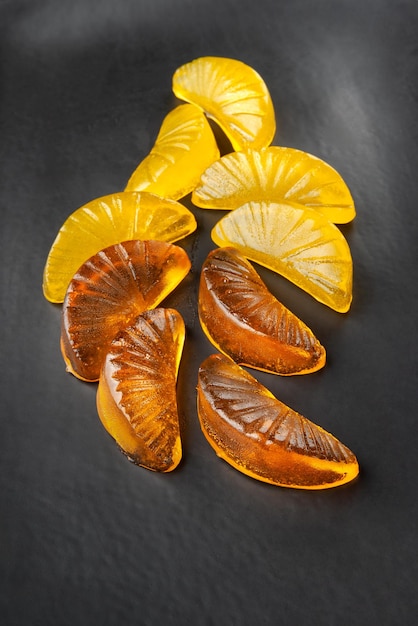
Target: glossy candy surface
(245, 321)
(184, 148)
(231, 93)
(297, 243)
(136, 396)
(109, 291)
(263, 438)
(275, 174)
(106, 221)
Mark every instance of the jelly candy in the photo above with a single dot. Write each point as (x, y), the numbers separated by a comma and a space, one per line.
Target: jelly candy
(275, 174)
(184, 148)
(113, 261)
(136, 396)
(106, 221)
(231, 93)
(297, 243)
(261, 437)
(109, 291)
(245, 321)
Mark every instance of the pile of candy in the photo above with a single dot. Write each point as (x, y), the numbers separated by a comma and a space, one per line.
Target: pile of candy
(114, 261)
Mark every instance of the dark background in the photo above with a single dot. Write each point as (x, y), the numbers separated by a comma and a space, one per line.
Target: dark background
(87, 537)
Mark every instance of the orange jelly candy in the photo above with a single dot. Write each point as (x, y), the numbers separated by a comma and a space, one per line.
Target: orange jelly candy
(136, 396)
(244, 320)
(262, 437)
(109, 291)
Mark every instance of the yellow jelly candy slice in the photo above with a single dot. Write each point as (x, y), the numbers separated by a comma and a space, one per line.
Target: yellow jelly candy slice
(109, 291)
(106, 221)
(297, 243)
(136, 396)
(245, 321)
(233, 94)
(275, 174)
(262, 437)
(184, 148)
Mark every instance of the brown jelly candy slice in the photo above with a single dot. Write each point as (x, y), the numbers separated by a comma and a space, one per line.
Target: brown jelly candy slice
(136, 396)
(245, 321)
(109, 291)
(262, 437)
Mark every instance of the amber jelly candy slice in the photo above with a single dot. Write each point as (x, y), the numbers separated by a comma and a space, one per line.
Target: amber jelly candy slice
(275, 174)
(136, 396)
(184, 148)
(233, 94)
(109, 291)
(262, 437)
(296, 242)
(106, 221)
(245, 321)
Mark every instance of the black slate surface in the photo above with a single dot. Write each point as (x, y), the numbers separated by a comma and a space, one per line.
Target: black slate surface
(88, 538)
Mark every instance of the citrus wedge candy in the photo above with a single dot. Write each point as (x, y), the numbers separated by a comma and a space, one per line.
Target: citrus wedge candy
(233, 94)
(245, 321)
(106, 221)
(297, 243)
(262, 437)
(275, 174)
(184, 148)
(111, 289)
(136, 395)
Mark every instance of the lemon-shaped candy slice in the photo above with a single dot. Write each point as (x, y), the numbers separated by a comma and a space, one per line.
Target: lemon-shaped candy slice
(184, 148)
(106, 221)
(233, 94)
(297, 243)
(275, 174)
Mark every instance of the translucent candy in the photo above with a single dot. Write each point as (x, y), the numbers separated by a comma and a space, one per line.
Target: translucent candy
(233, 95)
(275, 174)
(263, 438)
(106, 221)
(245, 321)
(136, 396)
(184, 148)
(110, 290)
(297, 243)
